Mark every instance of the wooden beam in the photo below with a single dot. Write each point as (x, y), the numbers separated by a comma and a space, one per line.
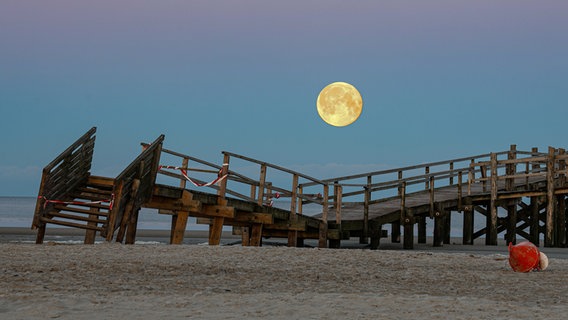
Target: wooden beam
(549, 224)
(491, 237)
(179, 225)
(213, 210)
(256, 235)
(215, 231)
(468, 222)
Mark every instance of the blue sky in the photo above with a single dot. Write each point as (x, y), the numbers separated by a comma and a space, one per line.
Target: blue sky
(439, 80)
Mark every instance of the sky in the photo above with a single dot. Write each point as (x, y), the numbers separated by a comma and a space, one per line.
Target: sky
(440, 79)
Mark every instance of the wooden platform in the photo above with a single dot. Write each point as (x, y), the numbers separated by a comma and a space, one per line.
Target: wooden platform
(529, 186)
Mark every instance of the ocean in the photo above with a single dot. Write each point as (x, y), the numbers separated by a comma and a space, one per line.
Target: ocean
(18, 212)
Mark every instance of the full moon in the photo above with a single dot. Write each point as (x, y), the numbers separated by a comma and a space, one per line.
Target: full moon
(339, 104)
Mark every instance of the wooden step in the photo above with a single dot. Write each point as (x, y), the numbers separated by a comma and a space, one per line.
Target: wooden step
(102, 182)
(89, 189)
(71, 224)
(88, 196)
(74, 217)
(61, 207)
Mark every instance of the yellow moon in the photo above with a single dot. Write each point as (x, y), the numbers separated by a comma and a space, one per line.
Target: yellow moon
(339, 104)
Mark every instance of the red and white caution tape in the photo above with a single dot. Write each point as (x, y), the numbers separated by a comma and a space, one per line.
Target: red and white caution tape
(197, 184)
(78, 203)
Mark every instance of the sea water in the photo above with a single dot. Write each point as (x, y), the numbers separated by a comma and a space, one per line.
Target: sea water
(19, 211)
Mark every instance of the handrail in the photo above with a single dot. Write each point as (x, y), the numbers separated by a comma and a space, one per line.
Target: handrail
(301, 175)
(134, 185)
(65, 173)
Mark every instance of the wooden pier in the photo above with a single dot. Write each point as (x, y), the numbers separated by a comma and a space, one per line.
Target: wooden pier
(520, 194)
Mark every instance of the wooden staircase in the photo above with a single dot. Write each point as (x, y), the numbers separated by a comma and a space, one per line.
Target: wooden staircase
(70, 196)
(89, 209)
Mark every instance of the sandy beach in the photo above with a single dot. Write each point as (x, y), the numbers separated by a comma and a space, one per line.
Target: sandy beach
(111, 280)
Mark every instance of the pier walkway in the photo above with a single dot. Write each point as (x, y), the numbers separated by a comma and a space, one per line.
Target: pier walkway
(519, 194)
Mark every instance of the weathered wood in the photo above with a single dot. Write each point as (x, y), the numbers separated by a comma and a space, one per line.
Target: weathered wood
(322, 243)
(447, 227)
(364, 237)
(550, 200)
(256, 235)
(468, 222)
(128, 210)
(438, 239)
(491, 236)
(421, 229)
(215, 231)
(293, 234)
(179, 224)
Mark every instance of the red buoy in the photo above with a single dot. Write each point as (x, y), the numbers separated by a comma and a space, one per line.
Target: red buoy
(524, 257)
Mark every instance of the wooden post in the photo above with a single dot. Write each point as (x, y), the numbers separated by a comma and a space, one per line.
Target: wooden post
(395, 231)
(178, 227)
(451, 173)
(407, 220)
(470, 177)
(432, 198)
(395, 225)
(421, 229)
(364, 239)
(322, 243)
(560, 221)
(216, 227)
(338, 203)
(560, 225)
(215, 231)
(426, 173)
(491, 236)
(535, 221)
(468, 223)
(179, 218)
(128, 211)
(447, 227)
(375, 230)
(256, 235)
(460, 192)
(90, 235)
(132, 227)
(245, 236)
(550, 172)
(510, 186)
(261, 186)
(438, 228)
(293, 234)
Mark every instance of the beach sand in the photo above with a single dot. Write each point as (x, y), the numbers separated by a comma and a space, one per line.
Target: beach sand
(111, 280)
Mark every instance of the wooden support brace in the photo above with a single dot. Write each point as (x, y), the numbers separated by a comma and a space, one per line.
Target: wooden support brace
(256, 235)
(215, 231)
(179, 224)
(132, 227)
(468, 222)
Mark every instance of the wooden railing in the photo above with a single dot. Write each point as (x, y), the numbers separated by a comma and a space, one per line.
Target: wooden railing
(370, 188)
(508, 177)
(65, 173)
(261, 189)
(132, 188)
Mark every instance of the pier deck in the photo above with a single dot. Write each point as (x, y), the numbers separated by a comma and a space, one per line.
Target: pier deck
(520, 194)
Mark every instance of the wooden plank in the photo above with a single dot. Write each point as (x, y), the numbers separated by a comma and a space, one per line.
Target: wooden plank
(491, 237)
(217, 211)
(69, 224)
(78, 218)
(549, 224)
(253, 217)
